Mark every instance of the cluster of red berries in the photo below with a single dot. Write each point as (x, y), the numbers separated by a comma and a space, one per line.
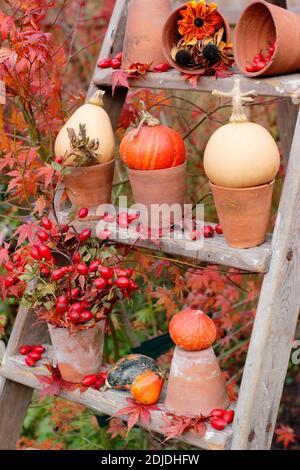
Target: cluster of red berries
(95, 381)
(219, 418)
(208, 232)
(14, 268)
(123, 220)
(78, 311)
(260, 61)
(114, 63)
(33, 353)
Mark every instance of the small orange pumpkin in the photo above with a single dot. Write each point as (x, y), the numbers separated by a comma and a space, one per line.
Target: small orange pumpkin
(152, 146)
(192, 330)
(146, 388)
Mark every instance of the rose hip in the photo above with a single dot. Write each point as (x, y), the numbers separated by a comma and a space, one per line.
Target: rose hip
(119, 56)
(106, 272)
(44, 251)
(86, 316)
(104, 63)
(46, 223)
(82, 269)
(217, 413)
(100, 283)
(30, 362)
(74, 317)
(123, 282)
(95, 265)
(38, 348)
(75, 292)
(9, 266)
(83, 213)
(218, 423)
(109, 218)
(89, 380)
(115, 63)
(218, 229)
(85, 234)
(208, 231)
(42, 235)
(25, 349)
(161, 68)
(35, 355)
(105, 234)
(228, 416)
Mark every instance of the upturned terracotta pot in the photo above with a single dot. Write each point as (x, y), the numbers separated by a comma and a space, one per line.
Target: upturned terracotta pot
(145, 23)
(260, 23)
(153, 188)
(244, 213)
(171, 36)
(195, 385)
(90, 186)
(80, 354)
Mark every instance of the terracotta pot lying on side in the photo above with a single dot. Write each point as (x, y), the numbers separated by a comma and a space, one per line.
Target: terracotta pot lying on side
(244, 213)
(171, 36)
(145, 23)
(157, 187)
(261, 23)
(90, 186)
(80, 354)
(196, 386)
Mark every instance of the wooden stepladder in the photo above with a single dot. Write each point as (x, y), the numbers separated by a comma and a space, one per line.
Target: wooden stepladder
(278, 258)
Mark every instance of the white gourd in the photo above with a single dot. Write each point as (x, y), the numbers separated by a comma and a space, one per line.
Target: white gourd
(241, 154)
(98, 126)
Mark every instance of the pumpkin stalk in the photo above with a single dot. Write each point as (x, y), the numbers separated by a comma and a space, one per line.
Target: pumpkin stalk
(145, 118)
(97, 98)
(238, 100)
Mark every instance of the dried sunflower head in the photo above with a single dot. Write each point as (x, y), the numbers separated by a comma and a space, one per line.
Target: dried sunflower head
(199, 20)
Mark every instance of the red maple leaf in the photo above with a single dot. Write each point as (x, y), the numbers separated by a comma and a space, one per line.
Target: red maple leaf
(26, 232)
(137, 413)
(286, 435)
(54, 383)
(120, 77)
(176, 426)
(4, 254)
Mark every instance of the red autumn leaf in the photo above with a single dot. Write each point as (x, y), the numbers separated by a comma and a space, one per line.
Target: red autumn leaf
(4, 254)
(55, 383)
(116, 428)
(46, 173)
(192, 79)
(119, 77)
(286, 435)
(137, 413)
(26, 232)
(176, 426)
(140, 69)
(39, 205)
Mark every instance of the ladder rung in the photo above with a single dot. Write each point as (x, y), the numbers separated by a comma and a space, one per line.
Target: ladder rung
(281, 86)
(108, 402)
(213, 251)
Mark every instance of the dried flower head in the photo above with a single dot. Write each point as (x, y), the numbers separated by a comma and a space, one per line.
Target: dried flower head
(199, 20)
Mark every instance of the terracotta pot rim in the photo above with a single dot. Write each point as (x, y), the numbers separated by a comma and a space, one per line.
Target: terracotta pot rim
(162, 170)
(52, 327)
(268, 7)
(250, 188)
(97, 166)
(165, 46)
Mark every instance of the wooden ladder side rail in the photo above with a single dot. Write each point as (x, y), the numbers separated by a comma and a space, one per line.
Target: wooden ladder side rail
(275, 322)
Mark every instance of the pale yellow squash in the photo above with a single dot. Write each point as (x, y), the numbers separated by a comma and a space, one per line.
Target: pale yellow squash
(241, 154)
(98, 126)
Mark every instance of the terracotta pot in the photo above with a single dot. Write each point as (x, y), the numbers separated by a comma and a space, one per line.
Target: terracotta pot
(90, 186)
(195, 385)
(80, 354)
(143, 32)
(244, 213)
(171, 36)
(260, 23)
(157, 187)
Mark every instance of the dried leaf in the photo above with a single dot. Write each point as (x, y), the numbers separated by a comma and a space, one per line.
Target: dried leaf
(137, 413)
(176, 426)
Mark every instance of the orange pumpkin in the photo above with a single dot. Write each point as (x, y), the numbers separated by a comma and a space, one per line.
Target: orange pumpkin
(152, 146)
(192, 330)
(146, 388)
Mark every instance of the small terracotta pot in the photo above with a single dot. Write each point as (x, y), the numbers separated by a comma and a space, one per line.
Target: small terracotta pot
(244, 213)
(145, 23)
(90, 186)
(80, 354)
(171, 36)
(260, 23)
(195, 386)
(159, 187)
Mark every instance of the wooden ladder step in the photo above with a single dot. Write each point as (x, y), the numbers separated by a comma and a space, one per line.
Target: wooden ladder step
(212, 250)
(108, 402)
(280, 86)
